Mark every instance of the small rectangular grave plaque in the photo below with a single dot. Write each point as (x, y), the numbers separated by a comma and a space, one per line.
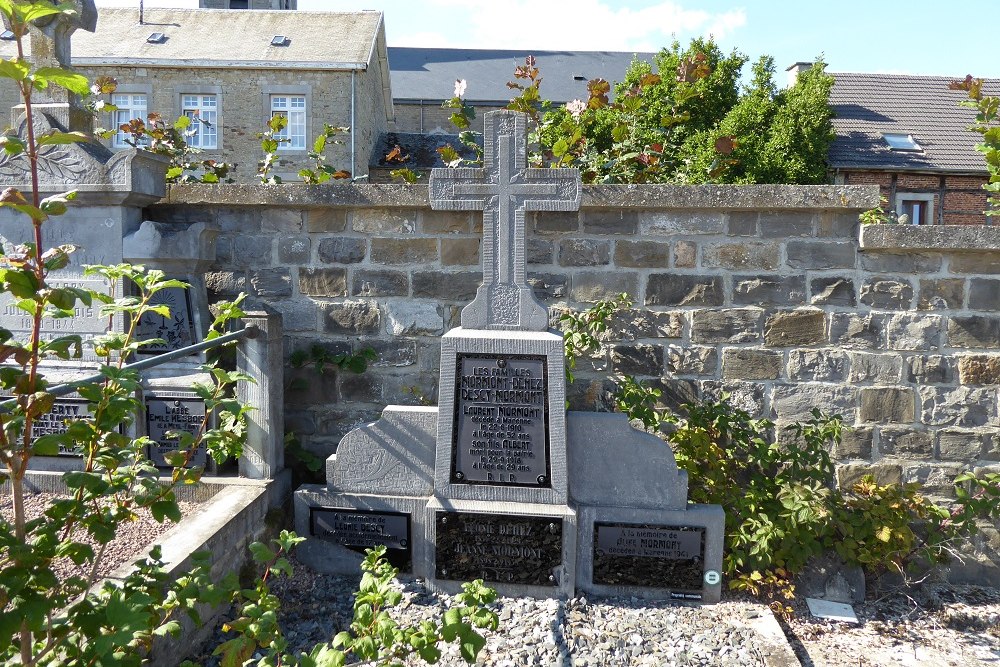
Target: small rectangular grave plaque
(55, 421)
(173, 413)
(502, 548)
(501, 433)
(362, 529)
(176, 331)
(650, 555)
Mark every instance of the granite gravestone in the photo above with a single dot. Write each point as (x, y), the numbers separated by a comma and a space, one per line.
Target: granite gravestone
(500, 482)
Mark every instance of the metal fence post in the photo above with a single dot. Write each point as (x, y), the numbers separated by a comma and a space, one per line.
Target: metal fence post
(261, 358)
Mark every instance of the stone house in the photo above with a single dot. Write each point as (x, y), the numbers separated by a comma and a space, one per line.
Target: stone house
(909, 135)
(233, 70)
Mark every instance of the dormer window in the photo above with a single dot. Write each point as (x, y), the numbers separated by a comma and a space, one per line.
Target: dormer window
(901, 142)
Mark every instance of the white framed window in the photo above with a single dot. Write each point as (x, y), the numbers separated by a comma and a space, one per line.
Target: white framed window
(918, 207)
(203, 110)
(293, 107)
(131, 106)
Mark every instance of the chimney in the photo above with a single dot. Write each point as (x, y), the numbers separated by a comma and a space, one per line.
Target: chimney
(795, 70)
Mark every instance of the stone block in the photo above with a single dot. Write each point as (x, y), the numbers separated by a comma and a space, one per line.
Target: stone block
(460, 252)
(393, 353)
(905, 443)
(584, 252)
(642, 254)
(294, 249)
(783, 224)
(691, 360)
(281, 220)
(746, 396)
(637, 360)
(741, 256)
(225, 284)
(751, 364)
(670, 223)
(943, 294)
(306, 386)
(251, 250)
(412, 318)
(769, 290)
(886, 293)
(855, 443)
(673, 289)
(821, 255)
(271, 282)
(913, 332)
(736, 325)
(974, 331)
(795, 328)
(849, 474)
(971, 262)
(404, 251)
(930, 369)
(548, 286)
(365, 388)
(539, 251)
(742, 223)
(935, 479)
(888, 405)
(967, 407)
(417, 389)
(459, 286)
(297, 314)
(837, 225)
(832, 291)
(611, 221)
(554, 222)
(685, 255)
(383, 221)
(323, 282)
(964, 446)
(795, 402)
(592, 286)
(379, 283)
(446, 222)
(591, 395)
(852, 330)
(342, 250)
(326, 220)
(675, 393)
(984, 294)
(352, 317)
(632, 324)
(817, 365)
(979, 369)
(875, 368)
(908, 262)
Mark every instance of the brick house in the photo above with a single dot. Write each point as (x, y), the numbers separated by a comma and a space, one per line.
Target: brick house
(234, 69)
(908, 134)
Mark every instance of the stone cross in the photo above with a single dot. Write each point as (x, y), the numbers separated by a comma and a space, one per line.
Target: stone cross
(503, 190)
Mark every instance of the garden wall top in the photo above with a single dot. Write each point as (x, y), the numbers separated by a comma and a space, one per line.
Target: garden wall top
(371, 195)
(975, 238)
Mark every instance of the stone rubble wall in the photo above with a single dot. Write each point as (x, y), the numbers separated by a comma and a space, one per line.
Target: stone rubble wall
(765, 292)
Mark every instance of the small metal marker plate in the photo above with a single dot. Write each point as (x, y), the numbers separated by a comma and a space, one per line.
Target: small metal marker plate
(500, 548)
(363, 529)
(651, 555)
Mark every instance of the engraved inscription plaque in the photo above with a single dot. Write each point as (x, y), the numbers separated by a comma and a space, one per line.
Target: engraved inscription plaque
(657, 556)
(173, 413)
(176, 331)
(56, 421)
(362, 529)
(502, 548)
(501, 423)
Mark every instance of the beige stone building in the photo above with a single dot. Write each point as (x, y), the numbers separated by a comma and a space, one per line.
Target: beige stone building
(231, 70)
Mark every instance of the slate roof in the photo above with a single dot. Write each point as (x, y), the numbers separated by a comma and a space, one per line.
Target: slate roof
(430, 74)
(228, 38)
(868, 105)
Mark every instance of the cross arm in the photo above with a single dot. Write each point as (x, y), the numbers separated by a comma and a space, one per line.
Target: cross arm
(445, 184)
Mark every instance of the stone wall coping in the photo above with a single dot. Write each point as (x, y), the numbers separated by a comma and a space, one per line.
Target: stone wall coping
(974, 238)
(392, 195)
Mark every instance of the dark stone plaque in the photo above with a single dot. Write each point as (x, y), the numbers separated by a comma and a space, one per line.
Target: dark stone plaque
(651, 555)
(173, 413)
(362, 529)
(501, 431)
(502, 548)
(176, 331)
(55, 421)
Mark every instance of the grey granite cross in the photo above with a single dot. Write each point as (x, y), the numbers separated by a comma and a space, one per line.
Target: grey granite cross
(503, 190)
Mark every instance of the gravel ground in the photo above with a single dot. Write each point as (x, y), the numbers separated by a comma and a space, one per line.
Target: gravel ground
(133, 538)
(575, 633)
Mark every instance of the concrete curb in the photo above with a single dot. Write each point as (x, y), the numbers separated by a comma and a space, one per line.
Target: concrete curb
(777, 652)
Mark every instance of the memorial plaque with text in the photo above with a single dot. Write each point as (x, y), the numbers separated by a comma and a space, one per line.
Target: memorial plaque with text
(362, 529)
(501, 423)
(173, 413)
(176, 331)
(56, 421)
(650, 555)
(501, 548)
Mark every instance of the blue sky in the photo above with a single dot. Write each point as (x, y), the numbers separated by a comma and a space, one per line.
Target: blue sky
(915, 37)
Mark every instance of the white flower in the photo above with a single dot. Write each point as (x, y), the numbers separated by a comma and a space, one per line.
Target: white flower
(459, 87)
(576, 107)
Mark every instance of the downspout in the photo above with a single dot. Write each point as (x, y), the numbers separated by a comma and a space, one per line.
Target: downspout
(354, 161)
